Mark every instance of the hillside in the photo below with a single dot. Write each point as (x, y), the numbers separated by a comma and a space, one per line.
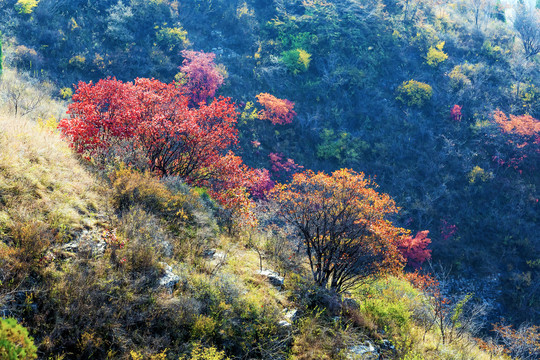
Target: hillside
(96, 263)
(157, 155)
(453, 173)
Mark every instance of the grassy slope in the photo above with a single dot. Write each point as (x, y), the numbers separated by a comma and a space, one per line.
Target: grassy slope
(110, 306)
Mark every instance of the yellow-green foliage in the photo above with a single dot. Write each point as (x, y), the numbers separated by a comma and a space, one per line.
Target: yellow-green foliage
(50, 124)
(389, 303)
(477, 173)
(207, 353)
(436, 55)
(296, 61)
(414, 93)
(458, 79)
(15, 343)
(66, 93)
(77, 61)
(304, 58)
(26, 6)
(173, 37)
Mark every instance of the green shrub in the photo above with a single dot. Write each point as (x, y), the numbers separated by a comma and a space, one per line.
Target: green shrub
(15, 343)
(172, 39)
(414, 93)
(296, 61)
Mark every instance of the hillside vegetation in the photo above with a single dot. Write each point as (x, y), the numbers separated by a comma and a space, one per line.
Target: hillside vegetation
(265, 179)
(98, 263)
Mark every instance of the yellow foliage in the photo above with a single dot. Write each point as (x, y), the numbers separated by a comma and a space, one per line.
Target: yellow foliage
(26, 6)
(436, 55)
(304, 58)
(200, 353)
(414, 93)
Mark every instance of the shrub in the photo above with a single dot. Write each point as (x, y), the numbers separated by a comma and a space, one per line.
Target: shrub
(26, 6)
(15, 343)
(296, 61)
(435, 55)
(414, 93)
(207, 353)
(66, 93)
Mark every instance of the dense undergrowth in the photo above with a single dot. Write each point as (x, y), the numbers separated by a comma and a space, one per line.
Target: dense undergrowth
(87, 255)
(102, 258)
(375, 86)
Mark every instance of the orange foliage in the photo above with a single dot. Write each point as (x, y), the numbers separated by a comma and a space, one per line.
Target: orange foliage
(343, 223)
(524, 125)
(278, 111)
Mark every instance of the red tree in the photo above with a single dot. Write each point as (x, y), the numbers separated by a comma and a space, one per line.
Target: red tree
(282, 170)
(193, 143)
(455, 113)
(202, 77)
(100, 113)
(278, 111)
(414, 249)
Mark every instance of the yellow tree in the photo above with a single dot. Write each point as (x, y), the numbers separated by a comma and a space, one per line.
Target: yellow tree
(343, 223)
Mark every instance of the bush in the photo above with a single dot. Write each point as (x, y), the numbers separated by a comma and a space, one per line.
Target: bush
(15, 343)
(414, 93)
(297, 60)
(435, 55)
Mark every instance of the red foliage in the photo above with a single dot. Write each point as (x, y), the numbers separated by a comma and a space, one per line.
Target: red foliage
(192, 143)
(447, 230)
(282, 169)
(421, 281)
(278, 111)
(99, 113)
(455, 113)
(415, 249)
(262, 184)
(202, 75)
(523, 136)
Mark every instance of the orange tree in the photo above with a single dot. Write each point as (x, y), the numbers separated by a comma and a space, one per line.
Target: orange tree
(343, 223)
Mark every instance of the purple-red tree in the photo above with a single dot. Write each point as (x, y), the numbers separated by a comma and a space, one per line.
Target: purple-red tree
(201, 75)
(414, 249)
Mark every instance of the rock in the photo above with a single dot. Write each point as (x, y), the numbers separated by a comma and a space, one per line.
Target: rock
(213, 254)
(90, 242)
(273, 277)
(284, 323)
(209, 253)
(290, 315)
(364, 351)
(349, 303)
(169, 279)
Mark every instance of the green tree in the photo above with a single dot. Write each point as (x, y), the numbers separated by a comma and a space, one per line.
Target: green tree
(15, 343)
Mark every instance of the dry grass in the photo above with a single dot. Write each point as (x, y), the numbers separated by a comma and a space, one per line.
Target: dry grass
(41, 179)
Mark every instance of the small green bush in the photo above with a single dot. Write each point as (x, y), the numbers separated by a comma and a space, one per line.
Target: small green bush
(414, 93)
(15, 343)
(296, 61)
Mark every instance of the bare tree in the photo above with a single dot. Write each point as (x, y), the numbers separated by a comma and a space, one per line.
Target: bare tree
(527, 24)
